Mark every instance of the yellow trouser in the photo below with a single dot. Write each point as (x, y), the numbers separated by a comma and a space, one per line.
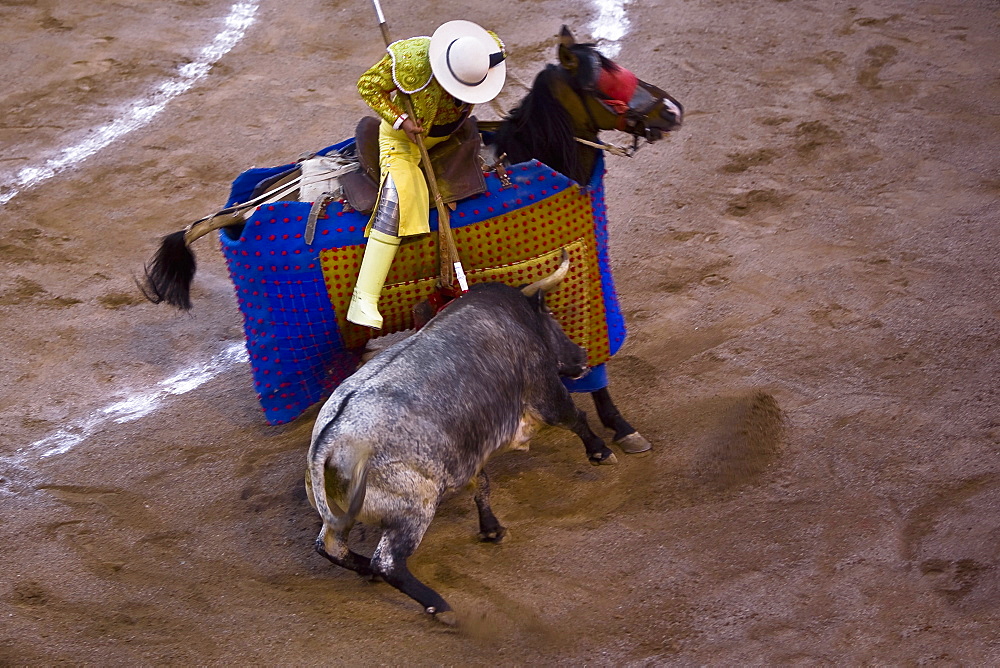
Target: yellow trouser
(401, 158)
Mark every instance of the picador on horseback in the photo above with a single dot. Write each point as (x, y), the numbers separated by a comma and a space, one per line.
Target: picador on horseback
(315, 275)
(444, 75)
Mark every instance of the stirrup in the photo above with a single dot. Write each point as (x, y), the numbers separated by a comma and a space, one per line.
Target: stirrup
(364, 310)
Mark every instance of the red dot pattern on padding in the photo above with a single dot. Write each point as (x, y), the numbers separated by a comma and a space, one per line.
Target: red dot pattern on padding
(516, 247)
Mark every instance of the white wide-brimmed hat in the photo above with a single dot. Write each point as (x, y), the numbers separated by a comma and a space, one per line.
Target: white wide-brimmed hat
(467, 61)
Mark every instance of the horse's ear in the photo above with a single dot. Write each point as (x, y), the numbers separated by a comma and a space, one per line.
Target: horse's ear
(566, 37)
(567, 58)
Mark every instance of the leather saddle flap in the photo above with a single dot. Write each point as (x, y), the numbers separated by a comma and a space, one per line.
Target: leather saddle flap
(455, 162)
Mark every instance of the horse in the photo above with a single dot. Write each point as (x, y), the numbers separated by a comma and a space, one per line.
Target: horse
(557, 123)
(572, 101)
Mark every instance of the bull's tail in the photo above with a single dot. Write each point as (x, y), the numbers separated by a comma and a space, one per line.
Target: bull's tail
(338, 519)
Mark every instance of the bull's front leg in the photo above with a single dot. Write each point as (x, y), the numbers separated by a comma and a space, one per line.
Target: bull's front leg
(597, 452)
(490, 529)
(564, 413)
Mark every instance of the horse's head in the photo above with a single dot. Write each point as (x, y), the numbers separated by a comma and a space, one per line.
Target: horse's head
(614, 98)
(576, 99)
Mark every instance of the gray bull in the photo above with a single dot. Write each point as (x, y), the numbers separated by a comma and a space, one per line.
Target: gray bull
(422, 418)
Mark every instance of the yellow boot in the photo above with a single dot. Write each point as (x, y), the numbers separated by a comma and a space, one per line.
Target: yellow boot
(375, 265)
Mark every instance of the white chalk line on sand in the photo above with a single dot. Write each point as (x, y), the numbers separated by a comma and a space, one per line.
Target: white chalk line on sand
(133, 406)
(140, 112)
(610, 26)
(137, 114)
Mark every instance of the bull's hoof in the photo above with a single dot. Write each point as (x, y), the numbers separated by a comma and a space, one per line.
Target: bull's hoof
(494, 536)
(321, 550)
(603, 457)
(634, 443)
(446, 617)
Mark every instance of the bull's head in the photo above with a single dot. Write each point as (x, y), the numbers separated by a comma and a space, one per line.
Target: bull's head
(571, 359)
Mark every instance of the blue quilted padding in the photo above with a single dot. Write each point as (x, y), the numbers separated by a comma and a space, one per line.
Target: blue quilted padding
(296, 351)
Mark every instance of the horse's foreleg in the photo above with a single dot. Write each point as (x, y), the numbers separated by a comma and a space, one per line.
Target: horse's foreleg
(626, 437)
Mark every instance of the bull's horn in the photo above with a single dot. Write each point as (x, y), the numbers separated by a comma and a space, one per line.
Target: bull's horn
(550, 282)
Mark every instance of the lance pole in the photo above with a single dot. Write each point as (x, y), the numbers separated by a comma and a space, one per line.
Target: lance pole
(450, 264)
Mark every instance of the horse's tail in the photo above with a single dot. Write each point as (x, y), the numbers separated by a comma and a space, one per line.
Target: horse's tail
(170, 271)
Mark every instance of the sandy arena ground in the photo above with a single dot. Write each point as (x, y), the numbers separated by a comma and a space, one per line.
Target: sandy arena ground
(809, 269)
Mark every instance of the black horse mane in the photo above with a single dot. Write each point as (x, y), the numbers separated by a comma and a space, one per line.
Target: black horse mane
(541, 128)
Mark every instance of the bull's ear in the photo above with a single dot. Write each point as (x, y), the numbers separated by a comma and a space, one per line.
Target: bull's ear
(567, 58)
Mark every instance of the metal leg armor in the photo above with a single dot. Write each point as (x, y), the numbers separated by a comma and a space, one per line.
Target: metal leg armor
(386, 219)
(383, 240)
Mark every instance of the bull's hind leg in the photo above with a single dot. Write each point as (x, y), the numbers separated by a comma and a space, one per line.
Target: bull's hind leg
(333, 546)
(490, 529)
(399, 541)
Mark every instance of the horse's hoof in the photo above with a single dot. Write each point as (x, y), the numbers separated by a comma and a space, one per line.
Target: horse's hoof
(634, 443)
(446, 617)
(603, 458)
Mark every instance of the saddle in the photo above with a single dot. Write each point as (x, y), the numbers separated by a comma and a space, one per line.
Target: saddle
(456, 163)
(352, 173)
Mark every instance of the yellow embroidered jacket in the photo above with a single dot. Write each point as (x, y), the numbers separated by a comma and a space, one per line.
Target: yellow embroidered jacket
(407, 68)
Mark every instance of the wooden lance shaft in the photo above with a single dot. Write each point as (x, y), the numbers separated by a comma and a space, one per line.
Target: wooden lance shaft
(450, 264)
